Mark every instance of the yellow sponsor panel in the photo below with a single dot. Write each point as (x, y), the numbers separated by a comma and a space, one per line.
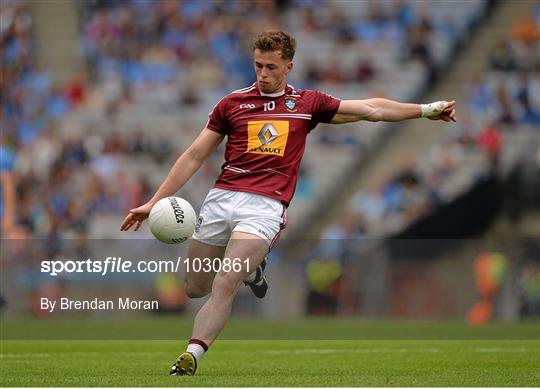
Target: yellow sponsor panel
(267, 137)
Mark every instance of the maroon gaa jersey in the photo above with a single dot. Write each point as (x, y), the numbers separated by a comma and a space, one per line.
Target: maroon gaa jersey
(266, 137)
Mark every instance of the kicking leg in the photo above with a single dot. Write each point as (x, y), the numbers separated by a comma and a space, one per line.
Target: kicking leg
(214, 314)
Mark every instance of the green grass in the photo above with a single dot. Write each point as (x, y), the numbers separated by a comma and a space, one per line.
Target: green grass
(499, 361)
(322, 328)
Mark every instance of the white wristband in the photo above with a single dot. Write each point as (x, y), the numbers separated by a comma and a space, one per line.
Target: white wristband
(432, 109)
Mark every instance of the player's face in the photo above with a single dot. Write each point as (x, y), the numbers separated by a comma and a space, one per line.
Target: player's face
(271, 70)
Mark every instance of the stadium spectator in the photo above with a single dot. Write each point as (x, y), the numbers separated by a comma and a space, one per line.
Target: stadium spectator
(365, 71)
(503, 57)
(480, 99)
(7, 189)
(528, 98)
(490, 142)
(489, 269)
(76, 91)
(324, 280)
(529, 284)
(526, 29)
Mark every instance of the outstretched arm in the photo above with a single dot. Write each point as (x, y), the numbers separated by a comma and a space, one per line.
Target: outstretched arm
(379, 109)
(185, 166)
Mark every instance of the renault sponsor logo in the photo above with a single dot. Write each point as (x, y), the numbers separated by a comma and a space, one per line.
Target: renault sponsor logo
(267, 134)
(267, 137)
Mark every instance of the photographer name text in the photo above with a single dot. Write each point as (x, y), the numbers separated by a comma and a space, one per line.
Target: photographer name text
(123, 304)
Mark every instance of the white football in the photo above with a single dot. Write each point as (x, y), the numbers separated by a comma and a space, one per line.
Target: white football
(172, 220)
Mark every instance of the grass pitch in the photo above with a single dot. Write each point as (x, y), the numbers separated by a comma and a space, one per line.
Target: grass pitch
(440, 360)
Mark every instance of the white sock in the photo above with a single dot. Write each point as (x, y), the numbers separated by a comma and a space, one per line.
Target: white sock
(196, 349)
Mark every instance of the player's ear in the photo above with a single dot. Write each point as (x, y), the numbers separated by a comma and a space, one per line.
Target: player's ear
(289, 67)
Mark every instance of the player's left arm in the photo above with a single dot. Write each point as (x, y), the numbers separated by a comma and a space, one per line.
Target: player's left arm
(379, 109)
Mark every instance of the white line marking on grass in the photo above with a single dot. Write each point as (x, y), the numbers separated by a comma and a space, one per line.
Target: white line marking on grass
(503, 349)
(82, 354)
(352, 351)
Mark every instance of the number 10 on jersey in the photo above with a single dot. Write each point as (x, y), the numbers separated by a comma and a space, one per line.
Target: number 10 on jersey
(270, 106)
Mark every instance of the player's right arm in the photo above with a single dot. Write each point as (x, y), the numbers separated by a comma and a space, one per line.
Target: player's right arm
(185, 166)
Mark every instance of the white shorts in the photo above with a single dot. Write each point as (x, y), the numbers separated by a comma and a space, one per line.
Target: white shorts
(225, 211)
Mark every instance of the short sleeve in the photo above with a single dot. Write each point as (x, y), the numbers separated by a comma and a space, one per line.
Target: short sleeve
(217, 120)
(324, 107)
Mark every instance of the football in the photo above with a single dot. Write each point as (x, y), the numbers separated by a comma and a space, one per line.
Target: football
(172, 220)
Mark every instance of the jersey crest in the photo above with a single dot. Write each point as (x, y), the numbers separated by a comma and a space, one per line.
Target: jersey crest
(290, 103)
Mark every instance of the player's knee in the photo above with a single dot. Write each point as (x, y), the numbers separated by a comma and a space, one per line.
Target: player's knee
(194, 290)
(226, 286)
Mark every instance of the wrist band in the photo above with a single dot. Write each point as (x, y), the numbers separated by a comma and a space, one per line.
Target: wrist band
(431, 109)
(424, 108)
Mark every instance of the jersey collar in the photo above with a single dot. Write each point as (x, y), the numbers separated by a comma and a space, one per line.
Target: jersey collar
(276, 94)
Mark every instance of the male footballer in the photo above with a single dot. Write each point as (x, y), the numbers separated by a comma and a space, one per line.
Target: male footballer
(266, 125)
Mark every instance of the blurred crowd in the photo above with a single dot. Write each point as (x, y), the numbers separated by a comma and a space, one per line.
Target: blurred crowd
(145, 43)
(59, 182)
(166, 56)
(500, 101)
(136, 49)
(133, 45)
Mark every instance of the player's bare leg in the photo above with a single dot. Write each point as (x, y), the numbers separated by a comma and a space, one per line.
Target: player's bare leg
(199, 284)
(214, 314)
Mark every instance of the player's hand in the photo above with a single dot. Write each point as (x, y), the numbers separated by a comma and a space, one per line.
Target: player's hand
(442, 110)
(136, 216)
